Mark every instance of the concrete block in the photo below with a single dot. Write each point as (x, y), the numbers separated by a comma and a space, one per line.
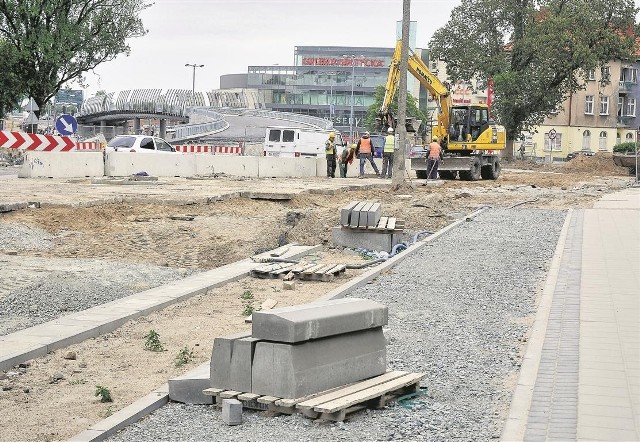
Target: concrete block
(370, 240)
(207, 165)
(374, 214)
(155, 164)
(345, 213)
(363, 217)
(62, 164)
(286, 167)
(188, 387)
(289, 285)
(318, 320)
(220, 368)
(241, 362)
(355, 214)
(296, 370)
(231, 411)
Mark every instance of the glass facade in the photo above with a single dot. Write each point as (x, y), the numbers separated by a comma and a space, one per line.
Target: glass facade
(324, 82)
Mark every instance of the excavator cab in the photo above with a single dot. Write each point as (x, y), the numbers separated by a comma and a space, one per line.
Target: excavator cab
(468, 122)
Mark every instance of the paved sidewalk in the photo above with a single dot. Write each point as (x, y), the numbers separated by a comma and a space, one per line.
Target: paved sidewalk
(587, 382)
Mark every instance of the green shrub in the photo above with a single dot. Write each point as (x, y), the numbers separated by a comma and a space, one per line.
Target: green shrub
(152, 341)
(628, 147)
(104, 393)
(184, 356)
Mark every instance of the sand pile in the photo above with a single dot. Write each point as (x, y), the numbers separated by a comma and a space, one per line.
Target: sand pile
(599, 164)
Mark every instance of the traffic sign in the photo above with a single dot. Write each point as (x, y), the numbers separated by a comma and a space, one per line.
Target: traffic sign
(552, 134)
(66, 124)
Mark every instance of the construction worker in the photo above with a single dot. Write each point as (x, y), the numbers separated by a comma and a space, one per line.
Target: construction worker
(330, 152)
(433, 159)
(365, 150)
(387, 154)
(346, 158)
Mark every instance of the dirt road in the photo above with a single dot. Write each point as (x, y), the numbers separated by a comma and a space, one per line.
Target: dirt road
(197, 225)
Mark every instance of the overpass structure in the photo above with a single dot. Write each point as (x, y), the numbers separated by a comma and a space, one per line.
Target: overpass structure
(183, 116)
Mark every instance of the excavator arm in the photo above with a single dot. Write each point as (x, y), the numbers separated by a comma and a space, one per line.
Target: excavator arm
(421, 72)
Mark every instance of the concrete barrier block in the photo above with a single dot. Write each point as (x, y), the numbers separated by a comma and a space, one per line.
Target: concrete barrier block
(231, 411)
(241, 361)
(220, 367)
(296, 370)
(188, 387)
(286, 167)
(301, 323)
(245, 166)
(155, 164)
(370, 240)
(363, 217)
(62, 165)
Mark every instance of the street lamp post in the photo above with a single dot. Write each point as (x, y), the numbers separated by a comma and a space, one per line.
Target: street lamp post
(353, 80)
(193, 87)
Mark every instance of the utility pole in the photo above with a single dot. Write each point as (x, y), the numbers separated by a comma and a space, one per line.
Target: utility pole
(399, 154)
(193, 87)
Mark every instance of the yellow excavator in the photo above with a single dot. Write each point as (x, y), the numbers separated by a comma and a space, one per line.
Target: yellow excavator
(471, 141)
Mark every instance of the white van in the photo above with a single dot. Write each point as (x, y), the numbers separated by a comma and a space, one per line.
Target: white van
(284, 141)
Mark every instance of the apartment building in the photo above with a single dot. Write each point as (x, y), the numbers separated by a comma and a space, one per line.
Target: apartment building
(596, 118)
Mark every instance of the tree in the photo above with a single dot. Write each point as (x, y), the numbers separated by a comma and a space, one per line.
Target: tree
(372, 112)
(10, 87)
(536, 52)
(55, 41)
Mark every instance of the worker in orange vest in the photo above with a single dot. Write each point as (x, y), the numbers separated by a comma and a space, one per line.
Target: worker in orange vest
(434, 159)
(365, 151)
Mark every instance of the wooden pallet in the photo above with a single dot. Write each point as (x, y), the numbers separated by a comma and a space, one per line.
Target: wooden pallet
(273, 270)
(335, 404)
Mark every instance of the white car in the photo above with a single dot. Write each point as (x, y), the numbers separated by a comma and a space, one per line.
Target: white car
(138, 143)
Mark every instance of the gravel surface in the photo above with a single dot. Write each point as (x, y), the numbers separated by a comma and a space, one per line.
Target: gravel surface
(458, 311)
(37, 290)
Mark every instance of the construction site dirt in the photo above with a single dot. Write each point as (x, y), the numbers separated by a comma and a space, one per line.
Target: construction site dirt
(194, 225)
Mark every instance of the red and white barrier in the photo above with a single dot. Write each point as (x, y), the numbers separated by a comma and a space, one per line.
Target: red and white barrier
(87, 145)
(230, 150)
(36, 142)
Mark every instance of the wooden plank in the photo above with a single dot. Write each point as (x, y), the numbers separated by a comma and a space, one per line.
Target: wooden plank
(302, 267)
(248, 396)
(382, 224)
(292, 402)
(340, 268)
(268, 304)
(319, 274)
(229, 394)
(310, 271)
(267, 399)
(351, 389)
(369, 393)
(391, 224)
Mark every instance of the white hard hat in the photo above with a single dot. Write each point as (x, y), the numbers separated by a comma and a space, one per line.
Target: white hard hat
(390, 130)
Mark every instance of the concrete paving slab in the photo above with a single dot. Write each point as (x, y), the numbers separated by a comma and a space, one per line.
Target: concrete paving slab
(374, 214)
(188, 387)
(318, 320)
(220, 364)
(241, 363)
(296, 370)
(345, 213)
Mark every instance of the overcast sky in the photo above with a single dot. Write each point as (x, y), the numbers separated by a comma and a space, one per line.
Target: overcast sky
(229, 35)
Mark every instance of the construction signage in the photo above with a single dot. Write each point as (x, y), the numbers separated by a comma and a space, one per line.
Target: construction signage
(39, 142)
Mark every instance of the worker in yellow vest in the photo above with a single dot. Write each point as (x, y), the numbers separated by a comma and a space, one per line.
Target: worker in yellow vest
(365, 152)
(330, 152)
(387, 154)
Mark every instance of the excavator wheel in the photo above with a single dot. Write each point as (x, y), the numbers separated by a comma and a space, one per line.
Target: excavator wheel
(491, 171)
(473, 174)
(448, 174)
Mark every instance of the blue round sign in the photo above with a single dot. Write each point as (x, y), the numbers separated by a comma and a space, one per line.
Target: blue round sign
(66, 124)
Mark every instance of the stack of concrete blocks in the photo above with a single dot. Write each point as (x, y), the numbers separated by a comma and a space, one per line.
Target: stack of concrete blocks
(300, 350)
(357, 230)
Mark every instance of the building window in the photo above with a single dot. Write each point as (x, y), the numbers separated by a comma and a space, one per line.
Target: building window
(629, 75)
(586, 140)
(591, 74)
(629, 136)
(605, 71)
(602, 141)
(631, 107)
(604, 105)
(620, 106)
(588, 104)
